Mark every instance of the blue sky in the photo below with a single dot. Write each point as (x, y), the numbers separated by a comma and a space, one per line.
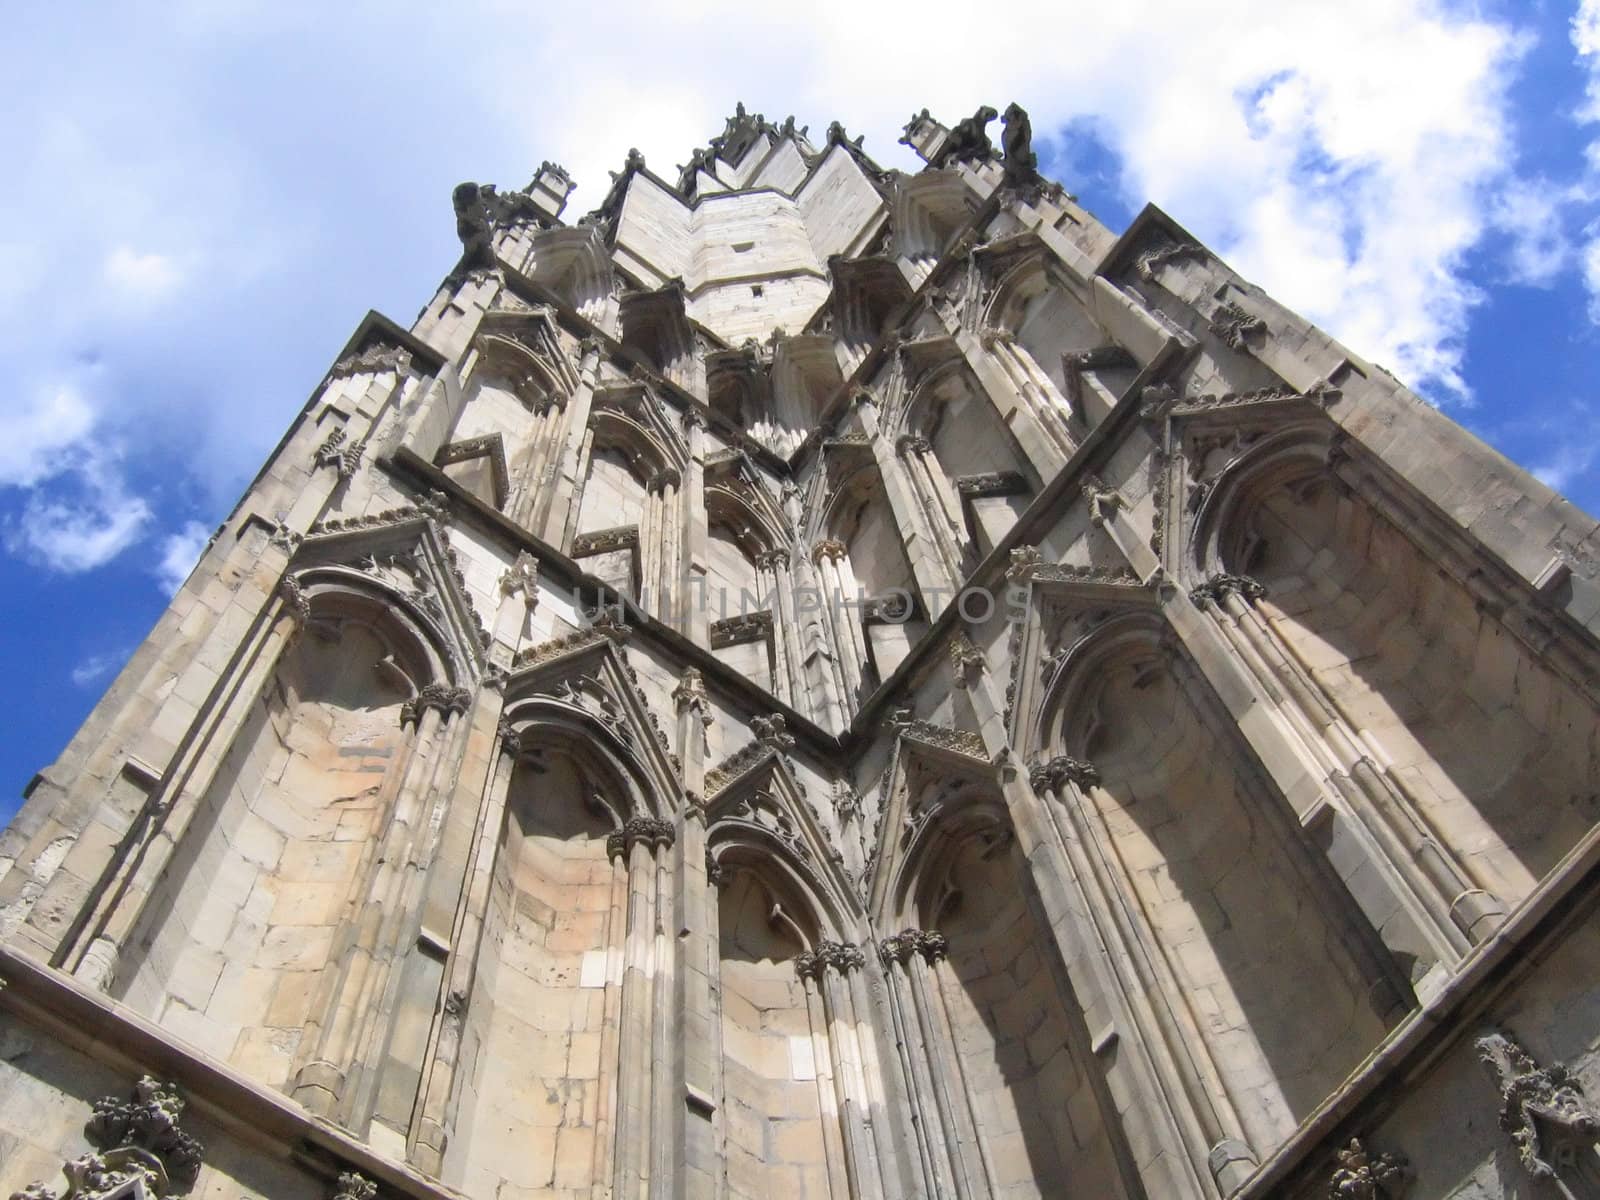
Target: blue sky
(204, 196)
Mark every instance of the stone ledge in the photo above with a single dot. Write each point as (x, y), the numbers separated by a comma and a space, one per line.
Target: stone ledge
(113, 1035)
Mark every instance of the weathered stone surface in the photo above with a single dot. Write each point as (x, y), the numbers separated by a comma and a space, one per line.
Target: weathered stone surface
(814, 681)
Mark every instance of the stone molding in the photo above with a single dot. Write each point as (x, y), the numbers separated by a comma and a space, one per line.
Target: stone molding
(734, 631)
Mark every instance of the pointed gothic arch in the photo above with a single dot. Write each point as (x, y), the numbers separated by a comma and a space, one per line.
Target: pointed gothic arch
(1228, 912)
(1488, 726)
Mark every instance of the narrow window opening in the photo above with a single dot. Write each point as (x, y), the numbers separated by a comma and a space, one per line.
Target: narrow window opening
(741, 247)
(756, 290)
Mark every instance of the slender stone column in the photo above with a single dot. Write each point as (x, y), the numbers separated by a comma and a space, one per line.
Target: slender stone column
(1169, 1031)
(1041, 446)
(1462, 913)
(838, 1156)
(343, 1012)
(461, 880)
(817, 643)
(773, 566)
(830, 966)
(1038, 391)
(531, 492)
(696, 1047)
(848, 648)
(941, 511)
(929, 572)
(939, 1130)
(694, 620)
(638, 843)
(562, 478)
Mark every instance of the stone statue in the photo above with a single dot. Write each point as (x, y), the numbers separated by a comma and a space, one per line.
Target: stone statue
(1021, 163)
(969, 140)
(475, 225)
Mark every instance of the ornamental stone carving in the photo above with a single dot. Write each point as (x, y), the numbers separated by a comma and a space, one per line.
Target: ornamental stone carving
(964, 658)
(336, 451)
(1550, 1120)
(1025, 561)
(1165, 253)
(139, 1141)
(353, 1185)
(1236, 326)
(843, 957)
(772, 731)
(829, 548)
(900, 947)
(1052, 773)
(295, 601)
(447, 700)
(1219, 587)
(691, 695)
(1360, 1175)
(652, 831)
(521, 576)
(376, 359)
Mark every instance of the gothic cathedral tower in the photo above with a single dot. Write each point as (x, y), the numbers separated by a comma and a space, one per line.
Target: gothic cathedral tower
(815, 681)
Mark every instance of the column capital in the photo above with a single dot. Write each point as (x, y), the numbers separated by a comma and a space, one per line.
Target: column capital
(447, 700)
(911, 443)
(830, 548)
(655, 831)
(778, 556)
(843, 957)
(1219, 586)
(1051, 774)
(901, 947)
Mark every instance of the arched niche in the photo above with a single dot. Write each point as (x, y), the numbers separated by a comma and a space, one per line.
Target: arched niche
(780, 1123)
(1494, 748)
(539, 1061)
(514, 395)
(864, 558)
(1004, 1045)
(233, 942)
(965, 464)
(1246, 936)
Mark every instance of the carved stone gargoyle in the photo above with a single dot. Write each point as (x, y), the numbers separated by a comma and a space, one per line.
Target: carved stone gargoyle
(1544, 1110)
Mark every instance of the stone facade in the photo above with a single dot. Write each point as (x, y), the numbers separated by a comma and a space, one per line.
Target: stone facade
(817, 681)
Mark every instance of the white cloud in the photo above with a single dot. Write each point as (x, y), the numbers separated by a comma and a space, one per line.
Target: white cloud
(97, 666)
(83, 529)
(38, 436)
(179, 553)
(141, 276)
(1349, 182)
(1585, 34)
(1529, 211)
